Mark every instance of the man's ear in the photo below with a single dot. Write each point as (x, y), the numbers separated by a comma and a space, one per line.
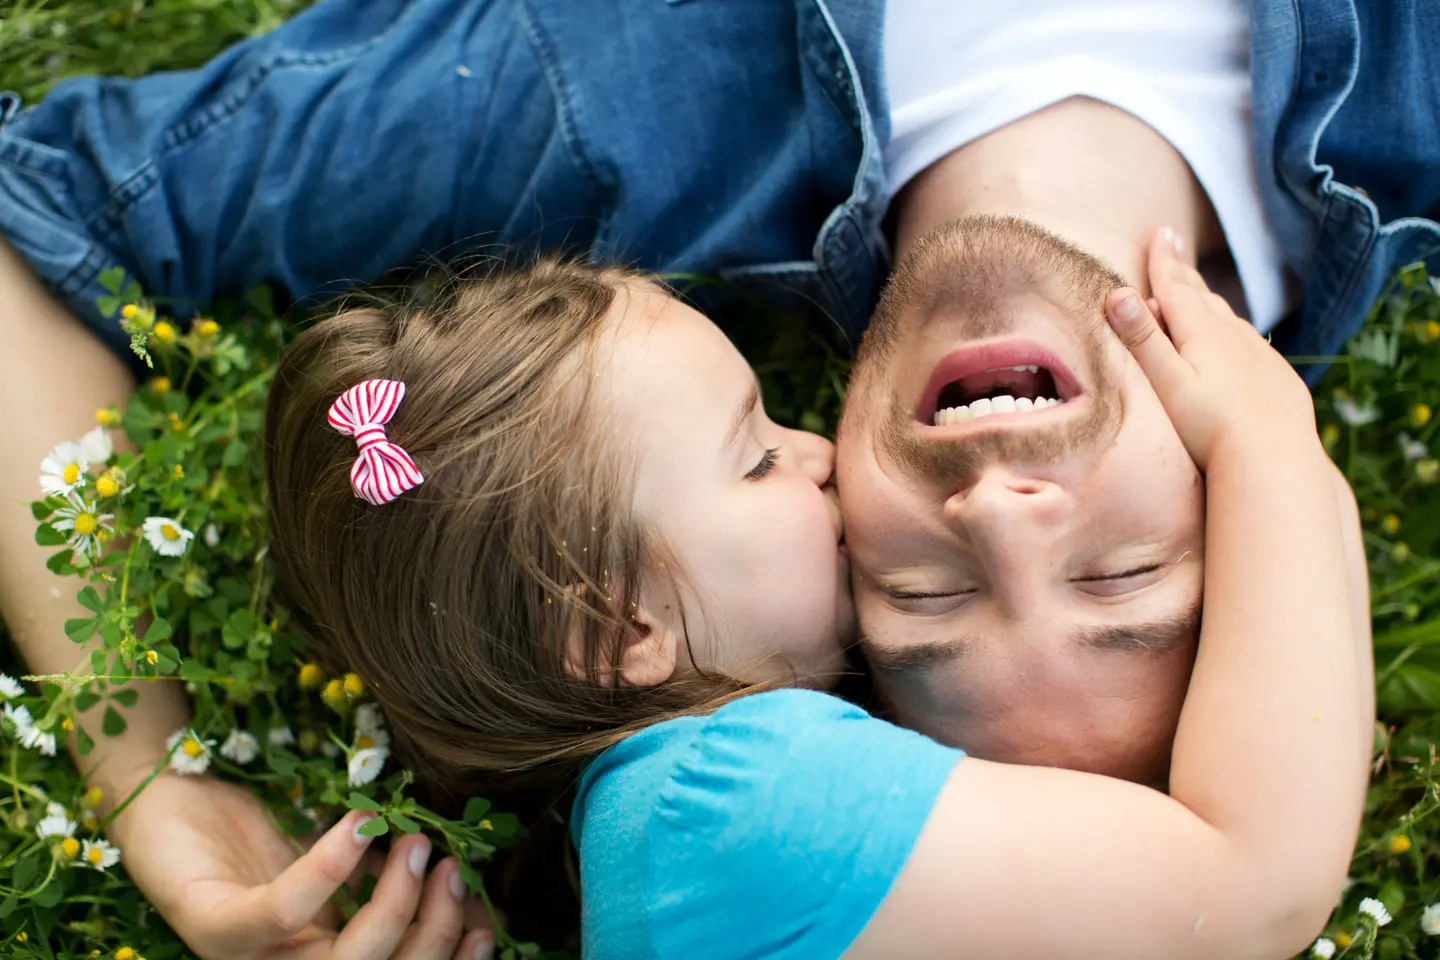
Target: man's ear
(649, 649)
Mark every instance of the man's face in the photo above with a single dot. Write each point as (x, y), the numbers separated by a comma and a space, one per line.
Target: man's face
(1027, 581)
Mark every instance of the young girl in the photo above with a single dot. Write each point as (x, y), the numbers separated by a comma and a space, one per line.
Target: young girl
(550, 524)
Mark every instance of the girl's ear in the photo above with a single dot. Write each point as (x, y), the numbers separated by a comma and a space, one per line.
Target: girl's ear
(649, 650)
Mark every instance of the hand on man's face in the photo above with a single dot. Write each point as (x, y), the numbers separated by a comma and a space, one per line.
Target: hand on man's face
(1027, 573)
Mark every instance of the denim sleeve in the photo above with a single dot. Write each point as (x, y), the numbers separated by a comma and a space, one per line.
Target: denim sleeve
(349, 140)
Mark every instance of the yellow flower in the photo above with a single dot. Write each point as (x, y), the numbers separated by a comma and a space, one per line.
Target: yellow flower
(106, 485)
(151, 657)
(160, 386)
(176, 424)
(93, 796)
(70, 847)
(1427, 470)
(354, 686)
(206, 328)
(309, 741)
(124, 953)
(115, 18)
(163, 332)
(1420, 414)
(67, 724)
(1401, 551)
(1391, 524)
(1343, 940)
(486, 825)
(1330, 435)
(1400, 843)
(179, 472)
(129, 311)
(311, 676)
(1432, 331)
(334, 695)
(22, 937)
(106, 417)
(86, 524)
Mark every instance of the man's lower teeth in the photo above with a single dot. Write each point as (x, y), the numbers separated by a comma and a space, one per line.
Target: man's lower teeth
(949, 416)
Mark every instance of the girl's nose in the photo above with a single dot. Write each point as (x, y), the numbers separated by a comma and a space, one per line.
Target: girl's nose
(814, 455)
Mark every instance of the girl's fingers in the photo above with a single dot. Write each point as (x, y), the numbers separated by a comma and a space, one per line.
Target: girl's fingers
(377, 928)
(477, 945)
(1180, 291)
(286, 905)
(1137, 328)
(436, 934)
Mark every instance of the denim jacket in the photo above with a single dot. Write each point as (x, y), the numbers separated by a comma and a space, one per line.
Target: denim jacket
(732, 138)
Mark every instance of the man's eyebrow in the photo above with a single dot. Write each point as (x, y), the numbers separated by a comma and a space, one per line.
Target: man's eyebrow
(1152, 637)
(742, 413)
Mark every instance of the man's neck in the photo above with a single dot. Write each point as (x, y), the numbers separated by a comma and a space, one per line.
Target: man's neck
(1091, 173)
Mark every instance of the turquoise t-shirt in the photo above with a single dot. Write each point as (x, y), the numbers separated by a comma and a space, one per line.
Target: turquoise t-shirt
(771, 828)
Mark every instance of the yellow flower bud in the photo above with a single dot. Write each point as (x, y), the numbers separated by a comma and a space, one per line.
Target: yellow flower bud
(311, 676)
(106, 486)
(124, 953)
(1432, 331)
(163, 332)
(1391, 524)
(1343, 940)
(354, 686)
(129, 311)
(151, 657)
(22, 937)
(160, 386)
(206, 328)
(1427, 470)
(1420, 414)
(70, 847)
(1330, 435)
(1400, 843)
(334, 695)
(67, 724)
(179, 472)
(308, 741)
(1401, 551)
(94, 795)
(105, 416)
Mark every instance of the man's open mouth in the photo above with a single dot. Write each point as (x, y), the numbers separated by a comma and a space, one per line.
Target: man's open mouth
(982, 380)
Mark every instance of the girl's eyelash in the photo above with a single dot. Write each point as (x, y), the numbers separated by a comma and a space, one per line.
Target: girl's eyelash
(1127, 573)
(766, 464)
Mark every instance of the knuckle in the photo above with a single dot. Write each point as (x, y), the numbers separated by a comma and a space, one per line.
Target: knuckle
(287, 914)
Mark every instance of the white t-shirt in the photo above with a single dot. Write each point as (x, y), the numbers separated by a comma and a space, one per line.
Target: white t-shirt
(957, 70)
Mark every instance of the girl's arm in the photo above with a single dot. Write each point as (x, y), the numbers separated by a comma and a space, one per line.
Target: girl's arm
(1245, 857)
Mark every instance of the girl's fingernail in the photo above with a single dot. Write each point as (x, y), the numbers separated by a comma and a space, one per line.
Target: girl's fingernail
(457, 886)
(1128, 309)
(419, 856)
(1169, 235)
(360, 821)
(484, 947)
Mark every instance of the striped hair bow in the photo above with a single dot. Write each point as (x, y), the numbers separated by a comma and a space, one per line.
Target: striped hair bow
(383, 470)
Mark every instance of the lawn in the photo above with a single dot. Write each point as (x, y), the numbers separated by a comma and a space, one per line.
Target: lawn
(246, 671)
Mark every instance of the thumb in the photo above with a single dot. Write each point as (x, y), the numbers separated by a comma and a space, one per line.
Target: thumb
(1137, 328)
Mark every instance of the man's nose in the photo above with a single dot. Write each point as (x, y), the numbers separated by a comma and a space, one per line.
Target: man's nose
(814, 455)
(1011, 519)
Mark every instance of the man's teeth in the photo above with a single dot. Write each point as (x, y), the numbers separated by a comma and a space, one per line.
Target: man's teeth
(949, 416)
(1027, 369)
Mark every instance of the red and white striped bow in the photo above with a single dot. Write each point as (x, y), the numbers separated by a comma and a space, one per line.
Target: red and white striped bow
(383, 470)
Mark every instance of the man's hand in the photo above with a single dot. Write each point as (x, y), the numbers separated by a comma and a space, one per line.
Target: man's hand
(229, 883)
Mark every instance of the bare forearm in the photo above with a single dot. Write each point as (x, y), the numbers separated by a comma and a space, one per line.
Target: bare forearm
(54, 375)
(1272, 726)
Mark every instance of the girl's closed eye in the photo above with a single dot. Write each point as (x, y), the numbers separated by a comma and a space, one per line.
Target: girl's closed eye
(766, 464)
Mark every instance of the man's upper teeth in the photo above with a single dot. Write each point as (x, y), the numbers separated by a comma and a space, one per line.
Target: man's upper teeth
(949, 416)
(1028, 369)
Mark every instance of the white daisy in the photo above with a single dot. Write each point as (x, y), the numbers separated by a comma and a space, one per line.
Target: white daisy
(280, 736)
(1430, 920)
(19, 717)
(189, 754)
(365, 765)
(10, 687)
(85, 524)
(166, 536)
(62, 472)
(1323, 949)
(34, 738)
(240, 746)
(1412, 449)
(99, 854)
(370, 728)
(56, 823)
(211, 535)
(1375, 910)
(95, 446)
(1352, 413)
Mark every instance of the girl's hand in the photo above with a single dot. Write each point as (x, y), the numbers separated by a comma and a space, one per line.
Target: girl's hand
(1217, 377)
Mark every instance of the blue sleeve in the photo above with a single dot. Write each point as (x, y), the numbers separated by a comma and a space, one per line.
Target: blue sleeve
(783, 827)
(344, 143)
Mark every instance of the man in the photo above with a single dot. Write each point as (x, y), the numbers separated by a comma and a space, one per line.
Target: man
(745, 140)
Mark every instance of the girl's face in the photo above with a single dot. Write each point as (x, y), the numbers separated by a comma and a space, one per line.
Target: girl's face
(742, 503)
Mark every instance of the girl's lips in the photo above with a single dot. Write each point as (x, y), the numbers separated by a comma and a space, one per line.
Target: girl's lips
(977, 358)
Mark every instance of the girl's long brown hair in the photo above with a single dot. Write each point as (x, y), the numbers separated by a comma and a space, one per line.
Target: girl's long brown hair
(455, 601)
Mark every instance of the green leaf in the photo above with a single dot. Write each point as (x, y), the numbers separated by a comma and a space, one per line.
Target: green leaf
(528, 949)
(235, 453)
(8, 906)
(41, 510)
(80, 629)
(83, 742)
(114, 724)
(99, 660)
(505, 825)
(475, 809)
(85, 700)
(159, 631)
(27, 871)
(403, 823)
(112, 279)
(471, 876)
(358, 801)
(374, 828)
(107, 305)
(195, 670)
(60, 563)
(1392, 895)
(90, 599)
(125, 696)
(238, 630)
(48, 536)
(50, 894)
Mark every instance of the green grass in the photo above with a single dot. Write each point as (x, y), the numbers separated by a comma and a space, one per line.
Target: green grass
(1392, 369)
